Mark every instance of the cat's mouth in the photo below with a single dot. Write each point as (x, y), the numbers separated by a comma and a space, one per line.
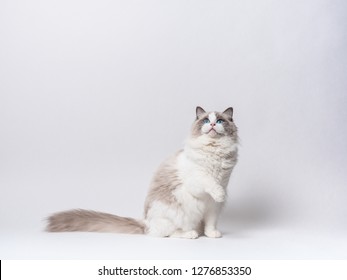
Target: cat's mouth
(212, 132)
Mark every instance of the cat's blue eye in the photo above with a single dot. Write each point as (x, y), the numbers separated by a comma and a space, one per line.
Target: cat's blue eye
(219, 121)
(206, 121)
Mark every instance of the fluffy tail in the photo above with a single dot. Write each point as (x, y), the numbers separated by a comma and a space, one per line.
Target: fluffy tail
(85, 220)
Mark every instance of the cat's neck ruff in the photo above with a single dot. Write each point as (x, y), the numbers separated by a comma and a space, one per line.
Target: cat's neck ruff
(209, 144)
(205, 146)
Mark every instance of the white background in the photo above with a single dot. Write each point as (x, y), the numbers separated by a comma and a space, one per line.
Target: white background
(95, 94)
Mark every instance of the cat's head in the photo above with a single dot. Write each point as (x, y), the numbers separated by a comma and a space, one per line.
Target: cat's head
(214, 124)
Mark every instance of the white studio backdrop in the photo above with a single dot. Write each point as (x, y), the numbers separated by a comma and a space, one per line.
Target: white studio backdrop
(95, 94)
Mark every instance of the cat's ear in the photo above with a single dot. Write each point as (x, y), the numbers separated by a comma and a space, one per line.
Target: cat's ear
(199, 111)
(229, 112)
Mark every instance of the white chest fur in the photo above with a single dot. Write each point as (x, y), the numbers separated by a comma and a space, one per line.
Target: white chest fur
(204, 157)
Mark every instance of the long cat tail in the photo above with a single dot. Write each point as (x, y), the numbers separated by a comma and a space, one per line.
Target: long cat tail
(86, 220)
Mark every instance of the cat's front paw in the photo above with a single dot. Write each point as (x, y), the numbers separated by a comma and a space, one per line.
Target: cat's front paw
(218, 194)
(213, 233)
(191, 234)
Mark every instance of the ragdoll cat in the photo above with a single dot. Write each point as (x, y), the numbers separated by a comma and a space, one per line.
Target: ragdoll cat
(187, 191)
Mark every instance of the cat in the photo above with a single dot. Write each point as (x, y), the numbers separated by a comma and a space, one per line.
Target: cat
(187, 191)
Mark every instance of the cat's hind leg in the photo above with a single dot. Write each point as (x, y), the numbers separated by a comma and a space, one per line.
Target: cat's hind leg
(190, 234)
(160, 227)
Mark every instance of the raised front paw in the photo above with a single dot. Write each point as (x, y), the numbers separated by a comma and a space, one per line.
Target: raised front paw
(218, 194)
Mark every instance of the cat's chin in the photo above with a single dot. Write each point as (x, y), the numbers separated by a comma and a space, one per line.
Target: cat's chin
(213, 134)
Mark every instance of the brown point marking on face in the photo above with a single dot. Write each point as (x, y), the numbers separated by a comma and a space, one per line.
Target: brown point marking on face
(199, 122)
(228, 124)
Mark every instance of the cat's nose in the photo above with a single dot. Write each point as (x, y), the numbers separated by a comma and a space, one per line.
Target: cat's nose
(213, 124)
